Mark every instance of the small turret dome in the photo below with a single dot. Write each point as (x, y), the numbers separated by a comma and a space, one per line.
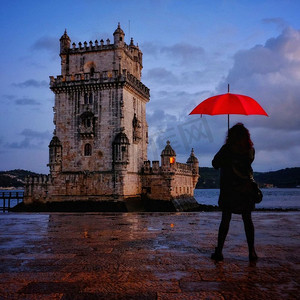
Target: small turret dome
(192, 159)
(55, 142)
(168, 151)
(65, 36)
(119, 30)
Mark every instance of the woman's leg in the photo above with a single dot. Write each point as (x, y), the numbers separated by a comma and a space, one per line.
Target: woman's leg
(223, 230)
(249, 230)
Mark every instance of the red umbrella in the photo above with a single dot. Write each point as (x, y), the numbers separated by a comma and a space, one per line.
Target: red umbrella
(226, 104)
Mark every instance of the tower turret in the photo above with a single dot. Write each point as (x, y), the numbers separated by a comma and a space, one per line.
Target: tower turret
(55, 155)
(193, 160)
(168, 156)
(194, 163)
(119, 36)
(65, 43)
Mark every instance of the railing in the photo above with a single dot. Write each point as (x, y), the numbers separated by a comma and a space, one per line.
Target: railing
(10, 198)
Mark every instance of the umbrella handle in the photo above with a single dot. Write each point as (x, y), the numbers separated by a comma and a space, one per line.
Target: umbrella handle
(228, 121)
(228, 87)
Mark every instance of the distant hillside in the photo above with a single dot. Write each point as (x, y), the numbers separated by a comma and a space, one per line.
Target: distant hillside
(209, 178)
(14, 178)
(285, 178)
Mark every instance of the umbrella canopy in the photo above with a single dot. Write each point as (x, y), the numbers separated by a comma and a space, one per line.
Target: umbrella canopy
(227, 104)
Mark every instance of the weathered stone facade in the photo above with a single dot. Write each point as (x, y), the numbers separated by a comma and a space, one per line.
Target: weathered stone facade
(99, 148)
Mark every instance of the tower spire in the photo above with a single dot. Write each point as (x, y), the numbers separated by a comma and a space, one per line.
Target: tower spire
(65, 42)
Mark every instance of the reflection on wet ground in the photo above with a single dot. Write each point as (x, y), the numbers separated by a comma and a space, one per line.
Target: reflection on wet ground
(146, 256)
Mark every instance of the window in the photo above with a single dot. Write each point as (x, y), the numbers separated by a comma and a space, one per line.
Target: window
(87, 150)
(86, 98)
(91, 98)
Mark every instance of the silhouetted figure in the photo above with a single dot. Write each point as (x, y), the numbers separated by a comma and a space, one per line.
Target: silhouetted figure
(234, 160)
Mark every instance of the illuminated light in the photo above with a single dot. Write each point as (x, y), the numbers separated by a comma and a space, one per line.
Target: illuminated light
(172, 160)
(172, 225)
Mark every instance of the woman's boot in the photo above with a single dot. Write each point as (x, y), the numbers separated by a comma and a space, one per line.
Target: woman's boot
(252, 255)
(217, 255)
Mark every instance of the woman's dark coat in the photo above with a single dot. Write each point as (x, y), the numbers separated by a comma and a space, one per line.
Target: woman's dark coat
(235, 175)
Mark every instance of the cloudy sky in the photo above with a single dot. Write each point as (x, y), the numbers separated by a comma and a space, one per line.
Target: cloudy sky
(192, 50)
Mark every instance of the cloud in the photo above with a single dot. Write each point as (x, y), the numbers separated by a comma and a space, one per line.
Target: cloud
(184, 52)
(267, 140)
(162, 76)
(42, 135)
(24, 144)
(32, 139)
(187, 53)
(150, 48)
(26, 101)
(178, 103)
(48, 44)
(168, 119)
(8, 99)
(270, 73)
(31, 83)
(279, 22)
(183, 134)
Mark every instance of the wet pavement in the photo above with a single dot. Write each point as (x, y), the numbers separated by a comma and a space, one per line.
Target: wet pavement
(146, 256)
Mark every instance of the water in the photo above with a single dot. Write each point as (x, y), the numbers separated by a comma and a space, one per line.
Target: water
(13, 202)
(273, 198)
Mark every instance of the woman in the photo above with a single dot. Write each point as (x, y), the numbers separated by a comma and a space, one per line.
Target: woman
(234, 160)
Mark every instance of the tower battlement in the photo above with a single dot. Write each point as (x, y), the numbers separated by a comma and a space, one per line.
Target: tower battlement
(131, 49)
(95, 80)
(154, 168)
(95, 57)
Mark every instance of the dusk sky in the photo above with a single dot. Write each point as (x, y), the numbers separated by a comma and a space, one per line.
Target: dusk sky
(191, 50)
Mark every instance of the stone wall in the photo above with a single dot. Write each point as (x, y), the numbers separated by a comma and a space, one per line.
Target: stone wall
(168, 182)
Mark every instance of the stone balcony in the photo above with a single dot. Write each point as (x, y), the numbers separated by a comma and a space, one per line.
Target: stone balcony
(73, 81)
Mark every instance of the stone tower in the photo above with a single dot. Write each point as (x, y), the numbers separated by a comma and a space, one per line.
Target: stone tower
(99, 147)
(101, 134)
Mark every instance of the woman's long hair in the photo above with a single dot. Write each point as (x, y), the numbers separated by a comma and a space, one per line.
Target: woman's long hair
(239, 135)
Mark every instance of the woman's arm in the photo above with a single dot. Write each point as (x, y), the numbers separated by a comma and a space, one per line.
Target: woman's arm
(221, 159)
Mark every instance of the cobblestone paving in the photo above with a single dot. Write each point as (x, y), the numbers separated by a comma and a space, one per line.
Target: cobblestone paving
(159, 256)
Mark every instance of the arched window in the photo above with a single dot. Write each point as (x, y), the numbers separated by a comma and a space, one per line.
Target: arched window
(87, 150)
(92, 71)
(86, 99)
